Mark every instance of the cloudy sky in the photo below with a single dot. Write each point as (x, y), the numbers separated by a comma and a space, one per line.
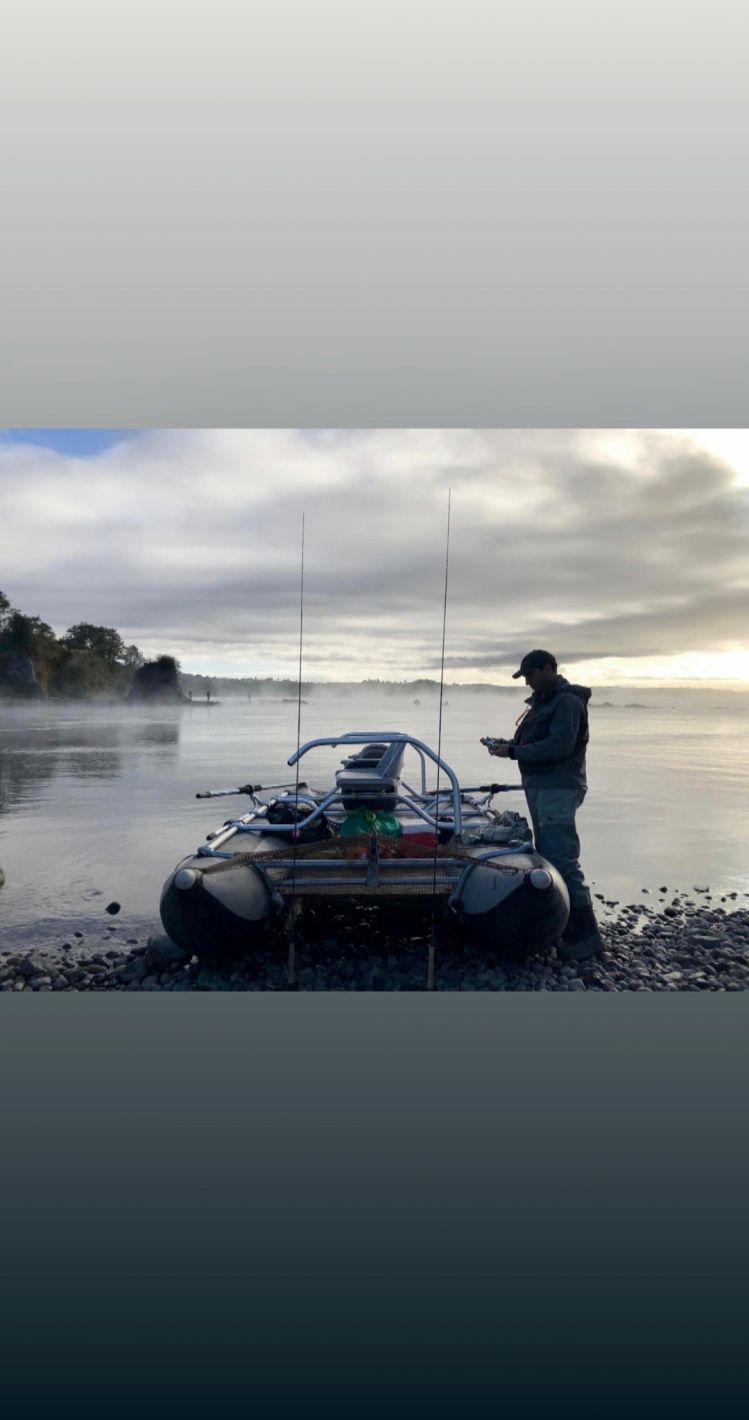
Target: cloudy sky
(624, 552)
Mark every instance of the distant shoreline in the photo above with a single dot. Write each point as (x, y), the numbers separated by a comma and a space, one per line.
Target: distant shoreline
(267, 690)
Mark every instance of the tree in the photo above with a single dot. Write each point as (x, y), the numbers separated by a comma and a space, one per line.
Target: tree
(157, 680)
(103, 641)
(132, 658)
(26, 633)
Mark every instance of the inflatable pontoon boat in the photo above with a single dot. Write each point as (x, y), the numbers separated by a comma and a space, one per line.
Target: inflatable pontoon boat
(369, 837)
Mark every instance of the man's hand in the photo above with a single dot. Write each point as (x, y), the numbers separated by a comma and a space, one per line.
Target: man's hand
(499, 748)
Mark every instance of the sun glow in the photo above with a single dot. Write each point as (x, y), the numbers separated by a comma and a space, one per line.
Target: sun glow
(731, 445)
(719, 668)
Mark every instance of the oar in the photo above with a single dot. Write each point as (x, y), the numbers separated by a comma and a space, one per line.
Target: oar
(245, 789)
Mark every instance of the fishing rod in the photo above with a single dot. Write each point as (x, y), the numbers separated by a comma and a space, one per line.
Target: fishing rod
(295, 835)
(430, 964)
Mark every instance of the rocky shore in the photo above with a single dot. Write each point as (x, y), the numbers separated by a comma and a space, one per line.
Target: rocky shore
(681, 942)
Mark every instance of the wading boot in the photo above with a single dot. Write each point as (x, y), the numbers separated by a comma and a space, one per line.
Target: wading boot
(581, 938)
(570, 931)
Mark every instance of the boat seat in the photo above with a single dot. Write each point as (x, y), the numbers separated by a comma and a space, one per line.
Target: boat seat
(368, 757)
(371, 778)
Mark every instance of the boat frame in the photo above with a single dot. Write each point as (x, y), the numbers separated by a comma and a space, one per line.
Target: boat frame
(432, 873)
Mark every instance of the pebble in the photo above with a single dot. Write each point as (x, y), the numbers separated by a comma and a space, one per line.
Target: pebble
(33, 965)
(162, 951)
(679, 947)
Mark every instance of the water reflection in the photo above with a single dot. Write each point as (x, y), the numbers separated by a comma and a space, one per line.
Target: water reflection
(21, 773)
(39, 745)
(165, 733)
(91, 763)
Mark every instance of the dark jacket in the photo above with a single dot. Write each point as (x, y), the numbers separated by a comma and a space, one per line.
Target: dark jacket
(550, 740)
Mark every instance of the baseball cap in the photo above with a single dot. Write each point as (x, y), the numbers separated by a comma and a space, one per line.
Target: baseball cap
(534, 660)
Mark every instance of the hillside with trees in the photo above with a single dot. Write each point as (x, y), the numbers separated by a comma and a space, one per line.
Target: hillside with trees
(87, 663)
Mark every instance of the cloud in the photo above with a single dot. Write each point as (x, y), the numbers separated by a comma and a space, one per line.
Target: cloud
(596, 544)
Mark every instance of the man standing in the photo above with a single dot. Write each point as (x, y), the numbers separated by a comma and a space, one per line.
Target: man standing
(549, 746)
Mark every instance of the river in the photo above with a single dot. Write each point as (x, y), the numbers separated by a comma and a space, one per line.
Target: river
(97, 802)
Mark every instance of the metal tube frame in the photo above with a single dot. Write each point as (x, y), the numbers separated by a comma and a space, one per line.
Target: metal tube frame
(360, 737)
(259, 824)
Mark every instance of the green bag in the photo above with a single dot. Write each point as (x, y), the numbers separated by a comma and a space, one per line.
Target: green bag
(367, 821)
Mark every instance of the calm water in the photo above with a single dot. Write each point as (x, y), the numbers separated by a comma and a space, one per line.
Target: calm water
(98, 803)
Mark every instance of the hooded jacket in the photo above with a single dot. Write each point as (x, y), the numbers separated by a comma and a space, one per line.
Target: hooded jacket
(550, 740)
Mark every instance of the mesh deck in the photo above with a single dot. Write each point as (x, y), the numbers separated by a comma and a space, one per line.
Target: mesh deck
(345, 867)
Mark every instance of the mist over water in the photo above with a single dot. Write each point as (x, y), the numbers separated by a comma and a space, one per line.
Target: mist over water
(97, 802)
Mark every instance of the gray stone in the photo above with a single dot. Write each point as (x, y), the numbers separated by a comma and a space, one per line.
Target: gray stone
(33, 965)
(134, 970)
(162, 951)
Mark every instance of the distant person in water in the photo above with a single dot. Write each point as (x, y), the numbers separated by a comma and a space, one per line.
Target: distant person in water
(549, 745)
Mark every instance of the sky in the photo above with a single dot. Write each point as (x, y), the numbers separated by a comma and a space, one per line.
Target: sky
(624, 552)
